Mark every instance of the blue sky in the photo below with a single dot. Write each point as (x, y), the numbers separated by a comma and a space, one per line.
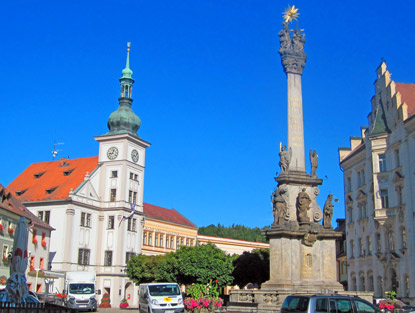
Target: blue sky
(209, 89)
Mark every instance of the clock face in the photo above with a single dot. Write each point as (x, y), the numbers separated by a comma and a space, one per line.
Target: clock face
(134, 156)
(112, 153)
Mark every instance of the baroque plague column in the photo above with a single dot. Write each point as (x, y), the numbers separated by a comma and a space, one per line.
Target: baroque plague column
(302, 250)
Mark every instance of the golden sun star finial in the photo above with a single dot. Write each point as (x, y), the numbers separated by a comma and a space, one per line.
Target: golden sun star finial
(291, 13)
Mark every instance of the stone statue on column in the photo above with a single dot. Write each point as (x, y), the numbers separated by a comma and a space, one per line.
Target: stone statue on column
(328, 212)
(279, 206)
(285, 158)
(303, 205)
(314, 162)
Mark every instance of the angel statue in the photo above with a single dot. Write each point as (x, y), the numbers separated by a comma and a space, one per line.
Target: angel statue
(285, 158)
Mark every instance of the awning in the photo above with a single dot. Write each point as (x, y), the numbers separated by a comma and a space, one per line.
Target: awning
(46, 274)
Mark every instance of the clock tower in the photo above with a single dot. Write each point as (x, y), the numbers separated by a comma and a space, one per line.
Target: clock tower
(122, 152)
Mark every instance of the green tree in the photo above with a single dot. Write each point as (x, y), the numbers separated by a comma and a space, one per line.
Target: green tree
(144, 269)
(235, 232)
(251, 267)
(199, 264)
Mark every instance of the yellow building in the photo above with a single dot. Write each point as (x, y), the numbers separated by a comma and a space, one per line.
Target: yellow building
(165, 230)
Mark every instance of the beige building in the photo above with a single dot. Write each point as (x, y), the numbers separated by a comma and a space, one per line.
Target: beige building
(165, 230)
(232, 246)
(379, 169)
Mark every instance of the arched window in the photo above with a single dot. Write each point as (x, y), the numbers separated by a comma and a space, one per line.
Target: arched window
(362, 282)
(370, 286)
(369, 245)
(353, 286)
(378, 243)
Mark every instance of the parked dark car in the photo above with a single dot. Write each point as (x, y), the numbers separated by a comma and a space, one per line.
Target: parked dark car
(327, 304)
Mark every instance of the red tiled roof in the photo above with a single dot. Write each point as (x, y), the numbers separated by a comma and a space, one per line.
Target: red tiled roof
(10, 203)
(408, 95)
(163, 214)
(38, 181)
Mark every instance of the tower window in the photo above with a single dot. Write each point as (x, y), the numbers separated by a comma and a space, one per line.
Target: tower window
(113, 195)
(111, 222)
(108, 258)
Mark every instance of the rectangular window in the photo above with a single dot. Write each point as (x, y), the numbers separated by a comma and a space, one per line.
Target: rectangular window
(130, 196)
(167, 242)
(128, 256)
(44, 216)
(382, 162)
(131, 175)
(41, 263)
(108, 258)
(114, 174)
(161, 240)
(129, 224)
(111, 222)
(85, 219)
(83, 256)
(47, 217)
(136, 177)
(113, 195)
(150, 239)
(144, 238)
(134, 225)
(156, 243)
(134, 197)
(384, 198)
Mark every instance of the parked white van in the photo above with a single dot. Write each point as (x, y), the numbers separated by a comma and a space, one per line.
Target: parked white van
(160, 298)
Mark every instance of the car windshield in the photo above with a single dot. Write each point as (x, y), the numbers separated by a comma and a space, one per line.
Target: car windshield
(81, 288)
(164, 290)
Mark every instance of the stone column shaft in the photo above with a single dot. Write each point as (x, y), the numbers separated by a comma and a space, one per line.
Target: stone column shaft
(295, 122)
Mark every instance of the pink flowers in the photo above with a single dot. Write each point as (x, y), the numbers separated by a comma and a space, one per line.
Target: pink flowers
(203, 302)
(386, 304)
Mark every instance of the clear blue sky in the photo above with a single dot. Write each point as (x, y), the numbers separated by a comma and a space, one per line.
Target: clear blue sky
(209, 89)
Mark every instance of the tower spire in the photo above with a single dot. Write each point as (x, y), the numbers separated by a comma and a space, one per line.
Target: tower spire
(124, 120)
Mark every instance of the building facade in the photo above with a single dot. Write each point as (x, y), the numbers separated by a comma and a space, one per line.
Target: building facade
(166, 230)
(38, 278)
(95, 203)
(379, 182)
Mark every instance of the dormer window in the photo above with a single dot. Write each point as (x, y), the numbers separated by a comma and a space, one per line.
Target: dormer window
(20, 192)
(50, 190)
(38, 175)
(68, 172)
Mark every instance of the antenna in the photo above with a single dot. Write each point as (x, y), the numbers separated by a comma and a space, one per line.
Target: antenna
(55, 150)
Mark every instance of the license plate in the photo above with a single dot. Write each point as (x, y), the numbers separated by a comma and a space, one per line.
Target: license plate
(169, 311)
